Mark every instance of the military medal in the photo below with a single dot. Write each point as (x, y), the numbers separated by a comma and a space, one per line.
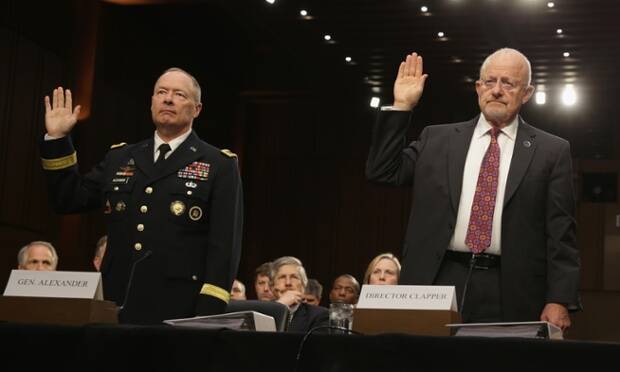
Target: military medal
(120, 206)
(177, 207)
(195, 213)
(191, 184)
(195, 171)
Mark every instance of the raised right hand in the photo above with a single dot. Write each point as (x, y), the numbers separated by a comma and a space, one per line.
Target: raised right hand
(60, 116)
(409, 83)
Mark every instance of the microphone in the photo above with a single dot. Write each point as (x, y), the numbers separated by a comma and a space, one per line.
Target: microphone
(130, 281)
(472, 263)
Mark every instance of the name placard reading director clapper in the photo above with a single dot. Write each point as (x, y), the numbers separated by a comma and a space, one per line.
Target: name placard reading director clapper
(407, 297)
(65, 284)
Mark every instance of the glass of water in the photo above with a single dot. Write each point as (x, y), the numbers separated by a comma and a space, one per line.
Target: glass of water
(341, 316)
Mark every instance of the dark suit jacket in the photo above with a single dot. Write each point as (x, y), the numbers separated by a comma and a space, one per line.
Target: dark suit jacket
(177, 227)
(539, 262)
(307, 317)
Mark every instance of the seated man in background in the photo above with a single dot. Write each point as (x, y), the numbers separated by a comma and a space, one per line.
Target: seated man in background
(37, 255)
(238, 291)
(314, 292)
(289, 282)
(261, 282)
(345, 289)
(102, 244)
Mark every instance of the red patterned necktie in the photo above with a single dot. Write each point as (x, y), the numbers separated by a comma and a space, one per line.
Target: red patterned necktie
(481, 218)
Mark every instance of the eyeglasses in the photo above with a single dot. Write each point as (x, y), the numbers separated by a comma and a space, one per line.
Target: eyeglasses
(505, 85)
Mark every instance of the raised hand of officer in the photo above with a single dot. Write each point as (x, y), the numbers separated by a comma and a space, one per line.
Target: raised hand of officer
(60, 116)
(409, 83)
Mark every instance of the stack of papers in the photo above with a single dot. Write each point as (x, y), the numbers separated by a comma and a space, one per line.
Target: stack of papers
(241, 321)
(542, 330)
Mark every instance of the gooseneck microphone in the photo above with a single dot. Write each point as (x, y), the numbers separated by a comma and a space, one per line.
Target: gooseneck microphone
(472, 263)
(130, 281)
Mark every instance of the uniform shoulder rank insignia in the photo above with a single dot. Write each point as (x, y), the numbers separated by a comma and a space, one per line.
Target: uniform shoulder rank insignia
(116, 146)
(229, 153)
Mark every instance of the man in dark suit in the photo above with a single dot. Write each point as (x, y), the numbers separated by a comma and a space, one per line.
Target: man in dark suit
(173, 204)
(289, 282)
(493, 202)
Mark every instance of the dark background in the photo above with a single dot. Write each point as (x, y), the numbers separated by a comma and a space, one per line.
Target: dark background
(295, 112)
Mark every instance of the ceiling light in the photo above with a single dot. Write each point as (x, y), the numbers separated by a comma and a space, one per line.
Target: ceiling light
(270, 1)
(374, 102)
(541, 98)
(569, 95)
(348, 59)
(558, 31)
(566, 54)
(440, 34)
(550, 4)
(424, 9)
(327, 37)
(303, 12)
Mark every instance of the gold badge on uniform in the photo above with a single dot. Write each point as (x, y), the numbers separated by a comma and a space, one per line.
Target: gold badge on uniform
(120, 206)
(177, 207)
(195, 213)
(108, 207)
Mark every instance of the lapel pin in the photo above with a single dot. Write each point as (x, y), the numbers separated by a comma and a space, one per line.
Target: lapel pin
(193, 149)
(191, 184)
(527, 143)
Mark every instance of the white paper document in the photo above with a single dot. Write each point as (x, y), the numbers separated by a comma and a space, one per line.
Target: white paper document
(543, 330)
(241, 321)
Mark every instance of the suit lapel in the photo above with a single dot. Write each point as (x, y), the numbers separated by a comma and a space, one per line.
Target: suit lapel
(189, 151)
(525, 147)
(143, 156)
(457, 153)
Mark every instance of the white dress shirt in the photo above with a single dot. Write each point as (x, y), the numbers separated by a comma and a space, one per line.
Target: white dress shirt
(480, 141)
(173, 144)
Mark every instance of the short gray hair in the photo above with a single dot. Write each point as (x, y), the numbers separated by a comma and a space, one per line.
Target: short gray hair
(22, 255)
(197, 89)
(289, 260)
(508, 51)
(314, 288)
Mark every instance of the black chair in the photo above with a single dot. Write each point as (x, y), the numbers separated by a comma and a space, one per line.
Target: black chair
(278, 311)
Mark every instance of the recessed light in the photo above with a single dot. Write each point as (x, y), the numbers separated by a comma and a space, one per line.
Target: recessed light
(303, 13)
(440, 34)
(541, 98)
(569, 95)
(327, 37)
(348, 59)
(550, 4)
(424, 9)
(566, 54)
(374, 102)
(558, 31)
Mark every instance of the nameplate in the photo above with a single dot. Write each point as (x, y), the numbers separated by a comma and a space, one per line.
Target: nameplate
(407, 297)
(64, 284)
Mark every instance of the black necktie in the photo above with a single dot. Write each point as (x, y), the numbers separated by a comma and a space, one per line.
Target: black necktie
(163, 150)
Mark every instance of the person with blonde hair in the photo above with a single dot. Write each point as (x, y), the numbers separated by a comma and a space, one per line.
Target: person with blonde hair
(384, 269)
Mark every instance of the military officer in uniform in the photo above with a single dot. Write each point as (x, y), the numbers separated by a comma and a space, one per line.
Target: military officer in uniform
(173, 204)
